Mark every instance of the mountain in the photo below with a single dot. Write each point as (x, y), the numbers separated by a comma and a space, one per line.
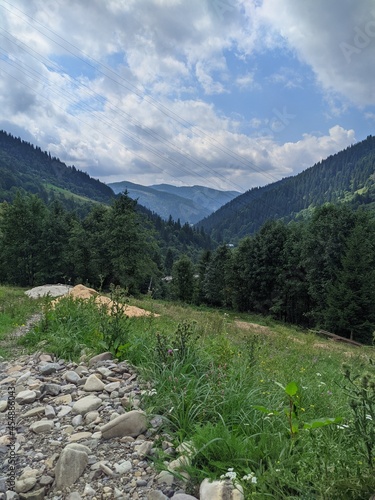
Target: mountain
(346, 177)
(25, 166)
(189, 204)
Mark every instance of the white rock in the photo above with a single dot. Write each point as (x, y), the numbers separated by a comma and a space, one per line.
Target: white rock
(86, 404)
(220, 490)
(41, 426)
(70, 466)
(123, 467)
(26, 397)
(93, 383)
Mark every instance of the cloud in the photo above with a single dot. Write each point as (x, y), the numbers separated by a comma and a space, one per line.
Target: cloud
(336, 38)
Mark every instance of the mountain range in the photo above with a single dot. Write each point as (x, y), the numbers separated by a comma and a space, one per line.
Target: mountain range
(345, 177)
(185, 203)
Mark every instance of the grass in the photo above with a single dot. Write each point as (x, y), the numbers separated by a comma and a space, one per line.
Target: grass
(268, 401)
(15, 308)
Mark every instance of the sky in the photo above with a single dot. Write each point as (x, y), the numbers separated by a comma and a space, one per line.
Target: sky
(230, 94)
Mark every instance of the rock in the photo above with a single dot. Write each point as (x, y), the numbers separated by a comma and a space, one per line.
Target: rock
(38, 494)
(34, 411)
(88, 491)
(72, 377)
(26, 484)
(42, 426)
(123, 467)
(100, 357)
(156, 495)
(78, 436)
(91, 416)
(165, 477)
(77, 420)
(220, 490)
(86, 404)
(49, 412)
(50, 389)
(3, 406)
(49, 368)
(183, 496)
(144, 449)
(112, 386)
(26, 397)
(93, 383)
(64, 410)
(45, 480)
(23, 377)
(74, 496)
(132, 424)
(70, 466)
(62, 400)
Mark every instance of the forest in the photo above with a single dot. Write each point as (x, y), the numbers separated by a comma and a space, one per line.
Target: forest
(316, 273)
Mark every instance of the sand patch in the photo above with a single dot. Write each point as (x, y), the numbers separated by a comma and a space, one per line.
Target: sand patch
(85, 293)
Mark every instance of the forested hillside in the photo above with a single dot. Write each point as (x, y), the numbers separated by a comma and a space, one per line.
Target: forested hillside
(318, 273)
(27, 167)
(347, 176)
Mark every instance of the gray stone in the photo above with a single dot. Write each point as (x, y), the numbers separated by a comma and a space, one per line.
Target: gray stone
(49, 412)
(74, 496)
(183, 496)
(3, 406)
(132, 424)
(70, 466)
(23, 377)
(93, 383)
(34, 411)
(112, 386)
(86, 404)
(165, 477)
(64, 410)
(38, 494)
(144, 449)
(49, 368)
(50, 389)
(12, 495)
(45, 480)
(77, 420)
(72, 377)
(156, 495)
(41, 426)
(26, 397)
(100, 357)
(123, 467)
(24, 484)
(91, 416)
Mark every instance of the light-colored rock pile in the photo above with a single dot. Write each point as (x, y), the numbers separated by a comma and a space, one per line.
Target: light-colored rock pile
(81, 433)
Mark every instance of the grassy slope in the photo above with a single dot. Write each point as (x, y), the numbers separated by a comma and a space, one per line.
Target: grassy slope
(211, 394)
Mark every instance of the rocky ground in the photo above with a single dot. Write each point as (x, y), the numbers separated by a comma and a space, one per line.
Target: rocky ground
(77, 430)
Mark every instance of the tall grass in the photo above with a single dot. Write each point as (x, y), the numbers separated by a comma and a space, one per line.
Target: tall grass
(269, 402)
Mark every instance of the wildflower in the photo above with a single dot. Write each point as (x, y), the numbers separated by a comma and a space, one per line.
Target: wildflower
(318, 374)
(230, 474)
(250, 477)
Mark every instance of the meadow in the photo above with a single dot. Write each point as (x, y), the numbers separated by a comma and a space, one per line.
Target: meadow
(277, 409)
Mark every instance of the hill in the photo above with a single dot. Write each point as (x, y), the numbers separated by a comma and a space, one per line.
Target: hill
(189, 203)
(346, 177)
(25, 166)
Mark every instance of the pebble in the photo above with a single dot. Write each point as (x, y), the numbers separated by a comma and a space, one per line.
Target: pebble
(76, 445)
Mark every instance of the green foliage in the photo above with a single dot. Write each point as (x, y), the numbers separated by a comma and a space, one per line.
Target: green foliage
(183, 279)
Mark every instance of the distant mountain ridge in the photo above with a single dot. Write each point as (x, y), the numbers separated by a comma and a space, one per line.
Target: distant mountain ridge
(345, 177)
(188, 203)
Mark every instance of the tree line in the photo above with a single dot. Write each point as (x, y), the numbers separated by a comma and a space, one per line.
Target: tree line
(315, 273)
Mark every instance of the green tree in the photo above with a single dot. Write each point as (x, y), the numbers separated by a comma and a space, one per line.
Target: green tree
(217, 286)
(183, 279)
(21, 240)
(350, 308)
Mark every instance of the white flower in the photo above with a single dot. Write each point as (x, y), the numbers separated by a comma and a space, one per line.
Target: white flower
(250, 477)
(229, 475)
(318, 374)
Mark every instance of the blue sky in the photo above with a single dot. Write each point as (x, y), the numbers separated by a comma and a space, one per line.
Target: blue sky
(229, 94)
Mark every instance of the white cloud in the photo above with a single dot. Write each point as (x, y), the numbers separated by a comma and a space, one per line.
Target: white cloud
(336, 38)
